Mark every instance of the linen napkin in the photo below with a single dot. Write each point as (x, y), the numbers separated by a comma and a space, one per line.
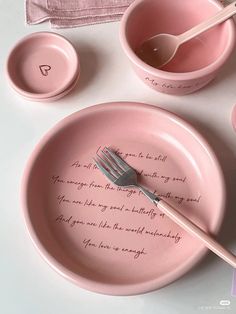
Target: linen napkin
(73, 13)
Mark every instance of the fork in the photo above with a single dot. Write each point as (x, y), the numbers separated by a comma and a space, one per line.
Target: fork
(122, 174)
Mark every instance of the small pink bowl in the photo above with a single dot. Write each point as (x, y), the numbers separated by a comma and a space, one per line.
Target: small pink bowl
(42, 65)
(196, 62)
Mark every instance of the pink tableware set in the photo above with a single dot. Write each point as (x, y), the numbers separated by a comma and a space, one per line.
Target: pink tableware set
(104, 237)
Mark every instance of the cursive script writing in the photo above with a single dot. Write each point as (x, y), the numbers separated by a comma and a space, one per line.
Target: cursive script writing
(103, 214)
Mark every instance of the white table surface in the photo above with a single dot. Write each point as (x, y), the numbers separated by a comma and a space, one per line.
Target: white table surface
(27, 283)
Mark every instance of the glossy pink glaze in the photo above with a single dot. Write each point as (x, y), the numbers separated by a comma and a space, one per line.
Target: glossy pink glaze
(196, 62)
(42, 65)
(153, 131)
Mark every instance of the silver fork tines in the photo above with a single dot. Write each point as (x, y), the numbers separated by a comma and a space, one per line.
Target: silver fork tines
(112, 162)
(118, 160)
(111, 165)
(116, 169)
(121, 174)
(100, 164)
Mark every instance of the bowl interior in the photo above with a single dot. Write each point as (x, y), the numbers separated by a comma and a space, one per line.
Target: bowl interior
(42, 65)
(149, 18)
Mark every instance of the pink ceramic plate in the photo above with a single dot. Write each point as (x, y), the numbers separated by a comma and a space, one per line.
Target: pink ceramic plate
(42, 65)
(113, 240)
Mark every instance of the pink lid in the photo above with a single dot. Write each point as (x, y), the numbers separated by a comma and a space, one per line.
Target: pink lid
(42, 65)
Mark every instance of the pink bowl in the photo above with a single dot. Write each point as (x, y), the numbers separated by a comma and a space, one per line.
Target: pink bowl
(42, 65)
(196, 62)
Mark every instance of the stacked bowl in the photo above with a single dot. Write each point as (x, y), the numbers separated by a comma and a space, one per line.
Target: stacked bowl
(43, 66)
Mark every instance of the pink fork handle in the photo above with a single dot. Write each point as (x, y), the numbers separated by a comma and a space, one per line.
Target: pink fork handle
(193, 229)
(218, 18)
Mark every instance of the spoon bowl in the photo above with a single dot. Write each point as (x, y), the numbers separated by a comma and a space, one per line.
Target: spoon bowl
(158, 50)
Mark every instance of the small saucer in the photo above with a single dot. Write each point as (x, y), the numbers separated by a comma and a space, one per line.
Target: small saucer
(42, 65)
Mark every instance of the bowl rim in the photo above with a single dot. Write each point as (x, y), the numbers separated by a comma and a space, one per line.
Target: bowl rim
(72, 78)
(208, 70)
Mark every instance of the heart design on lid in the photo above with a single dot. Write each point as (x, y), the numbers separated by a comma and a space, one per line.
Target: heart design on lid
(44, 69)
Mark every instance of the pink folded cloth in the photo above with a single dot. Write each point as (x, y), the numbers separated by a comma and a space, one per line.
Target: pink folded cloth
(73, 13)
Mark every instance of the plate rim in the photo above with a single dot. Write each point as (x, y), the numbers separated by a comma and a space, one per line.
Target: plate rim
(89, 284)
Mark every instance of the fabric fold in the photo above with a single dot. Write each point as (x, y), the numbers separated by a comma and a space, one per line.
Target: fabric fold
(73, 13)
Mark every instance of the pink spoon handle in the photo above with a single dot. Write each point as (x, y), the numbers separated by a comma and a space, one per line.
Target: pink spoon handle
(218, 18)
(193, 229)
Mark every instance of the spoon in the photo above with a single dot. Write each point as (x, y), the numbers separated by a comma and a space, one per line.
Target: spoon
(160, 49)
